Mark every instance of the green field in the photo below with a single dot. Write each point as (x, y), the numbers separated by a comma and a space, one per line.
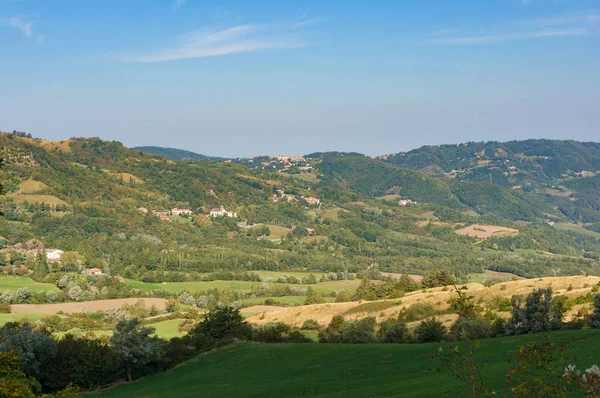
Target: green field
(321, 287)
(577, 229)
(168, 329)
(336, 370)
(4, 318)
(14, 283)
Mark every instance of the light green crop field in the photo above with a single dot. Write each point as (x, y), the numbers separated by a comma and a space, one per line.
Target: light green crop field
(577, 229)
(321, 287)
(14, 283)
(338, 370)
(4, 318)
(168, 329)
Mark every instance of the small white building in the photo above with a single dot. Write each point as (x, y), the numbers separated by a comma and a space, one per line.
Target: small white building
(222, 212)
(54, 255)
(406, 202)
(311, 200)
(176, 211)
(93, 271)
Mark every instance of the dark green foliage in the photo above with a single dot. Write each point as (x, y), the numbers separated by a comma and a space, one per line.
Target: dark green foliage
(278, 332)
(397, 333)
(594, 320)
(135, 345)
(82, 362)
(437, 277)
(310, 324)
(430, 331)
(220, 326)
(475, 327)
(36, 350)
(358, 332)
(535, 315)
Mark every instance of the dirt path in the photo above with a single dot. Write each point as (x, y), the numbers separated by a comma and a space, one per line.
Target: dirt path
(86, 306)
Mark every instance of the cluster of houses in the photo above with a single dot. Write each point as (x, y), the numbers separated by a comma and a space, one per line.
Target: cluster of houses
(280, 195)
(166, 215)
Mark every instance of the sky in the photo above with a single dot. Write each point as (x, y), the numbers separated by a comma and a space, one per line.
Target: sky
(240, 78)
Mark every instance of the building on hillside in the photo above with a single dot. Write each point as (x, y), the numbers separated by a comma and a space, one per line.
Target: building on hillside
(222, 212)
(406, 202)
(176, 211)
(143, 210)
(93, 271)
(54, 255)
(310, 231)
(164, 217)
(311, 200)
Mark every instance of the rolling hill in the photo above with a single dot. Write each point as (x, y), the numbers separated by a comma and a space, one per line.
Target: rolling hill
(337, 370)
(90, 196)
(176, 154)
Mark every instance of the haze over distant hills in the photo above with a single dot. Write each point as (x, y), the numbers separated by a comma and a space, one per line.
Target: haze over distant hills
(176, 154)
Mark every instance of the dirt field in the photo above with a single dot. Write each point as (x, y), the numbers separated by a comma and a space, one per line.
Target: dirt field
(397, 275)
(86, 306)
(487, 231)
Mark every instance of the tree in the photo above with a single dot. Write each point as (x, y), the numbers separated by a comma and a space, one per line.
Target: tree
(220, 326)
(135, 344)
(362, 331)
(35, 349)
(431, 331)
(535, 316)
(594, 320)
(313, 297)
(366, 290)
(437, 277)
(87, 363)
(23, 295)
(396, 334)
(13, 381)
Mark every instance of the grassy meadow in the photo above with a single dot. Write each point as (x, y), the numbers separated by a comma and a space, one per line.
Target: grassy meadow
(14, 283)
(337, 370)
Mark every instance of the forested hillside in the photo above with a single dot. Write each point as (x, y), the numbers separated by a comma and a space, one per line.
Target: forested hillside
(117, 209)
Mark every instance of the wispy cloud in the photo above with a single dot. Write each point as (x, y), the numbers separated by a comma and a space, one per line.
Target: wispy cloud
(232, 40)
(25, 26)
(568, 25)
(178, 4)
(16, 22)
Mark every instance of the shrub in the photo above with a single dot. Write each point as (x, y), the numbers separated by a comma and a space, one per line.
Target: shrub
(371, 307)
(362, 331)
(396, 334)
(220, 326)
(310, 324)
(4, 308)
(594, 319)
(474, 328)
(416, 312)
(430, 331)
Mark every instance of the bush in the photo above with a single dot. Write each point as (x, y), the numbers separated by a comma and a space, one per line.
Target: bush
(310, 324)
(4, 308)
(416, 312)
(362, 331)
(219, 327)
(396, 334)
(431, 331)
(474, 328)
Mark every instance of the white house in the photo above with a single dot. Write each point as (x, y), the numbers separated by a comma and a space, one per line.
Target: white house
(311, 200)
(54, 255)
(93, 271)
(222, 212)
(405, 202)
(176, 211)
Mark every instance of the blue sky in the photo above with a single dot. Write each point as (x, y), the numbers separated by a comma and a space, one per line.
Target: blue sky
(241, 78)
